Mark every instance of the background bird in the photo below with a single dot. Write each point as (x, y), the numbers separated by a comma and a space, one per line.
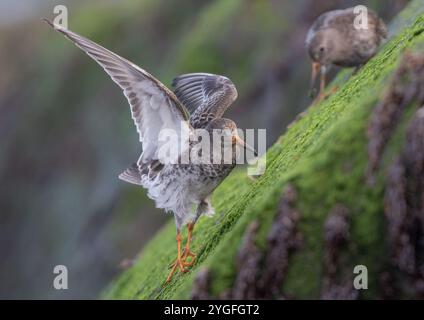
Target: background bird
(175, 187)
(334, 38)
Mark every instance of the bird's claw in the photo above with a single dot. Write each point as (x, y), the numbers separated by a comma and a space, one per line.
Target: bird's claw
(181, 263)
(186, 253)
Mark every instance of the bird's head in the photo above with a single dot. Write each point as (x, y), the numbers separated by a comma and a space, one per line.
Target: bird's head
(321, 46)
(322, 49)
(227, 129)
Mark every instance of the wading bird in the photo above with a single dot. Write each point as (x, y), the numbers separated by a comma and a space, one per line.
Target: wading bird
(175, 187)
(338, 38)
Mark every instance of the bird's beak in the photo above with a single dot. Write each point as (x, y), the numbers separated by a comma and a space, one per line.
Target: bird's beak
(243, 144)
(316, 67)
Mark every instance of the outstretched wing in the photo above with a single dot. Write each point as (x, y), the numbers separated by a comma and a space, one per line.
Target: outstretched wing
(153, 106)
(205, 95)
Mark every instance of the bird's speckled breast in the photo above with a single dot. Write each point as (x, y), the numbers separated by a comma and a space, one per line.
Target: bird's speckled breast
(178, 187)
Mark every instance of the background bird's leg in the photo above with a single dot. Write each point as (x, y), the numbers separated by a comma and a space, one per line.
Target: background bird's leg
(357, 68)
(316, 66)
(322, 83)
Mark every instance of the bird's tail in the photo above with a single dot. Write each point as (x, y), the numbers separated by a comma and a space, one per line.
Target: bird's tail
(131, 174)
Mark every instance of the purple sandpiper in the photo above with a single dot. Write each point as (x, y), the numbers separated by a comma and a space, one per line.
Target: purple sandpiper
(337, 37)
(175, 187)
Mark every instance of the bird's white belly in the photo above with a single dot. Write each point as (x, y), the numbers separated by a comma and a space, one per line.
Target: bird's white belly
(179, 191)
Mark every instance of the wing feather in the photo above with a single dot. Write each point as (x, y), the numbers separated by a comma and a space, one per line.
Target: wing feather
(205, 93)
(153, 105)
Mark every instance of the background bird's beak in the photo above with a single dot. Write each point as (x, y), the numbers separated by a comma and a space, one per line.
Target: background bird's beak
(316, 67)
(240, 142)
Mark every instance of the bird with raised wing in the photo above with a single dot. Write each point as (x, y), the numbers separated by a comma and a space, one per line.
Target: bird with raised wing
(341, 38)
(176, 186)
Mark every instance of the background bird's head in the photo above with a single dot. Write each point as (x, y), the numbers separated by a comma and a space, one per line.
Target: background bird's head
(321, 47)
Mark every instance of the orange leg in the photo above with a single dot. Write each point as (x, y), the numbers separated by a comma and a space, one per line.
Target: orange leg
(322, 82)
(323, 95)
(187, 252)
(182, 257)
(178, 262)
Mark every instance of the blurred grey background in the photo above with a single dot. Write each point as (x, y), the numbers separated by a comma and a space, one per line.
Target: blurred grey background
(66, 131)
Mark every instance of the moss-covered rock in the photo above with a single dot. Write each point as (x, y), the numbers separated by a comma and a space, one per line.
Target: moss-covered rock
(324, 156)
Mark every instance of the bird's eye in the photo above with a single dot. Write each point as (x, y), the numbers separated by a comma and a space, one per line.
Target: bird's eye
(321, 49)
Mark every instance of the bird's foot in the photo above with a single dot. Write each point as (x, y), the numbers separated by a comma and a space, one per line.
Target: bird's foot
(185, 255)
(181, 263)
(322, 96)
(186, 258)
(177, 263)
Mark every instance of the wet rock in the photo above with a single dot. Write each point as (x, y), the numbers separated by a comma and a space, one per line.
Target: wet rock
(406, 86)
(336, 235)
